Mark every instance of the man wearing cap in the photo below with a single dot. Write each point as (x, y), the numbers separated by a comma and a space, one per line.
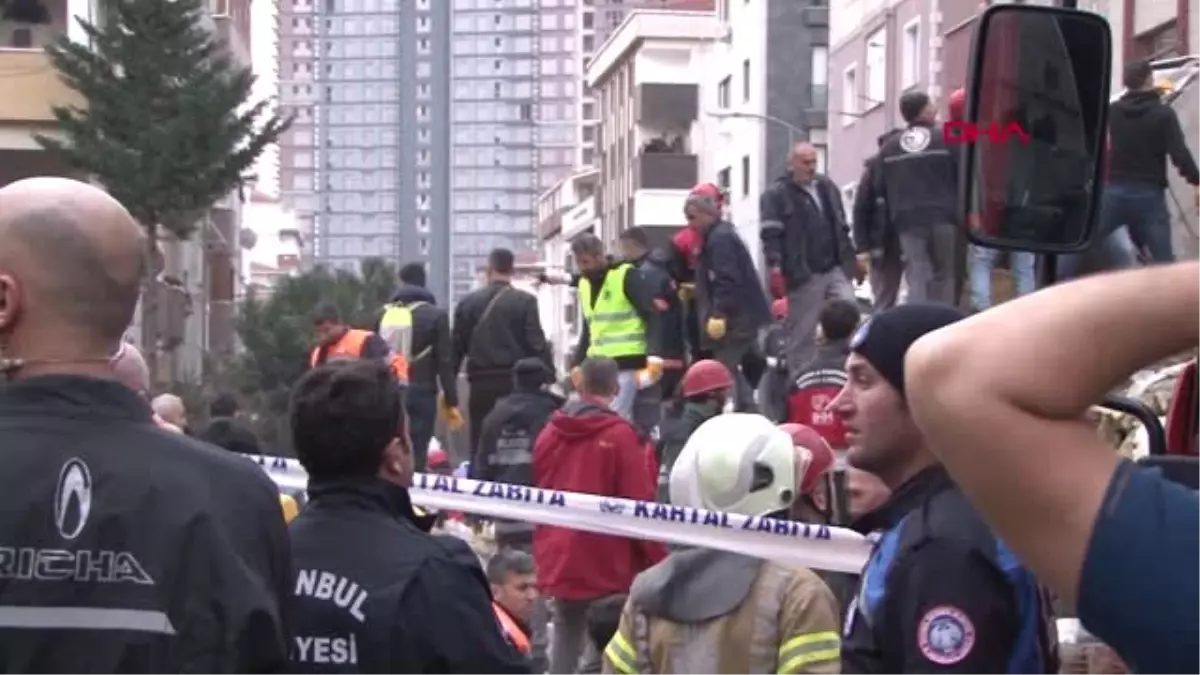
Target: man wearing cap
(731, 306)
(940, 592)
(918, 178)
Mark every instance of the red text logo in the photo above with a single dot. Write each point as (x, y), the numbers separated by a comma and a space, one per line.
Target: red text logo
(955, 133)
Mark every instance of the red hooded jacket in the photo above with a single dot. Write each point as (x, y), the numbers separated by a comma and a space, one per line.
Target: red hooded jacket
(589, 448)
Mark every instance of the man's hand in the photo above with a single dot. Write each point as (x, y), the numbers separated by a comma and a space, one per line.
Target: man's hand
(862, 265)
(777, 283)
(715, 328)
(452, 415)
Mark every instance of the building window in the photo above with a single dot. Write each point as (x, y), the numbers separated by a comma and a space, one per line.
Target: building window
(849, 94)
(876, 67)
(723, 88)
(746, 81)
(745, 175)
(910, 54)
(819, 98)
(821, 157)
(723, 179)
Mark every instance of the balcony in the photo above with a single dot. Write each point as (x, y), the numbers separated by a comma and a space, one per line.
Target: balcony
(579, 218)
(27, 71)
(666, 106)
(665, 170)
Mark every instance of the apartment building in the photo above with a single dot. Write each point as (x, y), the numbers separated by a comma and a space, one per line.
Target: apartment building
(882, 48)
(564, 212)
(365, 166)
(764, 90)
(647, 78)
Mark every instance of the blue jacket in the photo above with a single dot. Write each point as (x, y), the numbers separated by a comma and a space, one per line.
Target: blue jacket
(941, 594)
(728, 286)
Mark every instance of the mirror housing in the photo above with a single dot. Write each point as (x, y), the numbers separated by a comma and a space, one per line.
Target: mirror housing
(1035, 128)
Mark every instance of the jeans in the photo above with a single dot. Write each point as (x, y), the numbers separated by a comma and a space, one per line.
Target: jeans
(1143, 209)
(1113, 251)
(983, 260)
(421, 405)
(640, 406)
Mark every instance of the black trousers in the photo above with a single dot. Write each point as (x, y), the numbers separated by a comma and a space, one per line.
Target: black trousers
(482, 396)
(421, 404)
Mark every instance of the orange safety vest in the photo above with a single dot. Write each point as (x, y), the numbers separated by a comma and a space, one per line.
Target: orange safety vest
(350, 347)
(512, 631)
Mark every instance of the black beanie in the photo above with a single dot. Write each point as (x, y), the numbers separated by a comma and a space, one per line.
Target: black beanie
(530, 373)
(884, 339)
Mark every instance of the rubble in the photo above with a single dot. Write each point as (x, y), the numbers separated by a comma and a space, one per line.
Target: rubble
(1153, 387)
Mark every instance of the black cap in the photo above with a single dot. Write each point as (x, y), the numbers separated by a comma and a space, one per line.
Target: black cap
(884, 339)
(530, 373)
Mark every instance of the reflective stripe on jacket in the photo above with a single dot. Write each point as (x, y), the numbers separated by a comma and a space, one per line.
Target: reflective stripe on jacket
(787, 624)
(614, 327)
(350, 346)
(514, 633)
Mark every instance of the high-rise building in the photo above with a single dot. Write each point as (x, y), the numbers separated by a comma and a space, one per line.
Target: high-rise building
(365, 166)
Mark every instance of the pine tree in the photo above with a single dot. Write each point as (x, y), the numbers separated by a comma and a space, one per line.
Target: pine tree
(168, 127)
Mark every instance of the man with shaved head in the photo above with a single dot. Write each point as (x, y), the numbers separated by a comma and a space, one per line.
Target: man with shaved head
(170, 408)
(147, 551)
(806, 245)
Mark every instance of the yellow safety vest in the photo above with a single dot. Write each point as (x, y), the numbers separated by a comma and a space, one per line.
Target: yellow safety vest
(614, 327)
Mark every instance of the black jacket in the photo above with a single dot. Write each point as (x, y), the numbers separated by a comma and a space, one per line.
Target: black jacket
(728, 285)
(873, 232)
(918, 179)
(1143, 133)
(676, 430)
(431, 330)
(802, 238)
(941, 593)
(176, 548)
(640, 290)
(511, 331)
(231, 434)
(375, 593)
(656, 268)
(505, 452)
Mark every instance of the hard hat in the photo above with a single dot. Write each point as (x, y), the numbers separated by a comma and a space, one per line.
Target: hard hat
(739, 463)
(710, 190)
(779, 308)
(957, 104)
(814, 453)
(705, 376)
(437, 459)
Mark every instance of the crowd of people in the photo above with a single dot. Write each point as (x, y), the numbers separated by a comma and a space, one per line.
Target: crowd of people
(130, 543)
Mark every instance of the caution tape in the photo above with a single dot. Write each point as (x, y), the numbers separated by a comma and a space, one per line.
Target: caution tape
(784, 541)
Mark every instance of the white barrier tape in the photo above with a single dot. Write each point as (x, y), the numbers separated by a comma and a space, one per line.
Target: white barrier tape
(817, 547)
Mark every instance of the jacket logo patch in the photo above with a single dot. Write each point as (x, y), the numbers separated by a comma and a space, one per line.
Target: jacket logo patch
(73, 498)
(945, 635)
(915, 139)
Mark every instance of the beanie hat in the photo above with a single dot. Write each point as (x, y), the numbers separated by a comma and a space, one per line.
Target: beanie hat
(707, 198)
(883, 340)
(530, 373)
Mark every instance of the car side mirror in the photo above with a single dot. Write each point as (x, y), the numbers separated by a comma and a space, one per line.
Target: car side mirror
(1035, 128)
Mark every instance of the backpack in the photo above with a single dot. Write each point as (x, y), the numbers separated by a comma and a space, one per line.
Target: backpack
(396, 329)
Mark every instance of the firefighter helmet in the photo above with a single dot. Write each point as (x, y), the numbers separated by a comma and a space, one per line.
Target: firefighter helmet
(956, 105)
(438, 459)
(740, 463)
(820, 457)
(704, 377)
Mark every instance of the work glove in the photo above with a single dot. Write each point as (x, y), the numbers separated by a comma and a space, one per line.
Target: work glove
(452, 415)
(651, 374)
(777, 283)
(715, 328)
(687, 292)
(862, 265)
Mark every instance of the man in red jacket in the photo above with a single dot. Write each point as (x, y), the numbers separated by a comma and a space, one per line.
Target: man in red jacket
(587, 447)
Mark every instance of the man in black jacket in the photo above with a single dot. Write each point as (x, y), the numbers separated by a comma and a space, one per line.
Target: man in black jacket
(655, 267)
(432, 361)
(375, 593)
(494, 327)
(226, 430)
(123, 547)
(806, 245)
(874, 235)
(1144, 133)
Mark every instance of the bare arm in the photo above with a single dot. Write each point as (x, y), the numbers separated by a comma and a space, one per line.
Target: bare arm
(1000, 397)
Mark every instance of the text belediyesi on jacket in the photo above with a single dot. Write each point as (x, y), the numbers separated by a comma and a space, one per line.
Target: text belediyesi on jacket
(131, 548)
(375, 593)
(511, 331)
(1142, 132)
(431, 331)
(589, 448)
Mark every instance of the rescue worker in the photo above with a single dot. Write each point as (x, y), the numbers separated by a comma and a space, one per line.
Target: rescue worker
(940, 592)
(874, 234)
(430, 361)
(817, 385)
(708, 611)
(776, 380)
(620, 323)
(170, 409)
(514, 594)
(1113, 540)
(129, 525)
(493, 328)
(374, 592)
(587, 447)
(731, 305)
(227, 430)
(337, 341)
(654, 265)
(806, 246)
(918, 178)
(704, 392)
(684, 252)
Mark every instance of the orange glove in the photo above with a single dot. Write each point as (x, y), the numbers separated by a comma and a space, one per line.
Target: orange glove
(576, 378)
(651, 374)
(452, 415)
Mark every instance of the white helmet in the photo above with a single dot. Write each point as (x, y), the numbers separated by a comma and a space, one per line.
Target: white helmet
(737, 462)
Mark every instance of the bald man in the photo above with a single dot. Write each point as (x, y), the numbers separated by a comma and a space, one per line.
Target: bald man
(174, 556)
(130, 368)
(170, 408)
(806, 246)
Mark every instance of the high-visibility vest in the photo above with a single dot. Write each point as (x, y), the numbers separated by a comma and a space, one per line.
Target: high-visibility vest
(350, 346)
(614, 327)
(512, 631)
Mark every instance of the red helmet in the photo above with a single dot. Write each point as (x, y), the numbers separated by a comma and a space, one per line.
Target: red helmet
(779, 308)
(438, 459)
(687, 243)
(956, 105)
(820, 454)
(705, 376)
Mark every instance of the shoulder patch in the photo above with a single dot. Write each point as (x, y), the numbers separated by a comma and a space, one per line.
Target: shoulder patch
(945, 635)
(915, 139)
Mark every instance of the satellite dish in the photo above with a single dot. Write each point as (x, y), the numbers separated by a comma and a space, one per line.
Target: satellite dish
(247, 238)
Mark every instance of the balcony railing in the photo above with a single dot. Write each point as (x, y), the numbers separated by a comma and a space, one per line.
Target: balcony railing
(665, 171)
